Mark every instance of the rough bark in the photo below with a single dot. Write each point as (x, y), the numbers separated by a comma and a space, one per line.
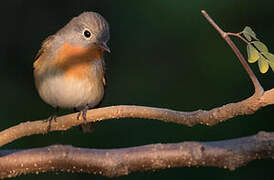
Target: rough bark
(228, 154)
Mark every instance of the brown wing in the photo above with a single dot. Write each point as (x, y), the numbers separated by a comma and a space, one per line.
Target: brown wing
(104, 80)
(45, 45)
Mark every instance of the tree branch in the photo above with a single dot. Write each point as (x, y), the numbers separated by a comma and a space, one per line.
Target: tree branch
(258, 88)
(211, 117)
(116, 162)
(229, 154)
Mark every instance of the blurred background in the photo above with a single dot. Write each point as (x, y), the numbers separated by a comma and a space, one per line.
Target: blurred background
(164, 54)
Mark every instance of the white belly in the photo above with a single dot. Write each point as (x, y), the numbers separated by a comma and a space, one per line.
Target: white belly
(57, 91)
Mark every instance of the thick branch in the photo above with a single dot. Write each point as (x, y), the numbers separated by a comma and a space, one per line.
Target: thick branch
(229, 154)
(212, 117)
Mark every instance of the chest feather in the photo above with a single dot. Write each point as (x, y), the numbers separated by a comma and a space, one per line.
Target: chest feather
(78, 62)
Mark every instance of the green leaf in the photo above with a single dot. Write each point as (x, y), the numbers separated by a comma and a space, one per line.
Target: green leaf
(248, 33)
(263, 64)
(271, 63)
(252, 53)
(247, 36)
(269, 56)
(260, 46)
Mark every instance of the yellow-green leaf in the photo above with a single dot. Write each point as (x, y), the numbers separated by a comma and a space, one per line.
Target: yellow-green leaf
(271, 63)
(263, 64)
(248, 33)
(247, 36)
(269, 56)
(252, 53)
(260, 46)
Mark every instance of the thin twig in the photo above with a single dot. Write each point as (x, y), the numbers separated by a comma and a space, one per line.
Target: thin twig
(258, 88)
(229, 154)
(239, 36)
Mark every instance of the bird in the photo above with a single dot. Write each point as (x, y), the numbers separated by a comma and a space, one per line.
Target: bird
(69, 68)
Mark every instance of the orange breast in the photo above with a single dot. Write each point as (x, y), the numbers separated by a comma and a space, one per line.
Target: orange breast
(76, 61)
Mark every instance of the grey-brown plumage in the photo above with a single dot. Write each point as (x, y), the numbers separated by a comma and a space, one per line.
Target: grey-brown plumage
(69, 67)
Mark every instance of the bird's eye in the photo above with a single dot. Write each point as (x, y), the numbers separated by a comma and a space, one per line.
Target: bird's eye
(87, 33)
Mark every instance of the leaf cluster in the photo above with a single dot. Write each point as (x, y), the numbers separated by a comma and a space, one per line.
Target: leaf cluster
(258, 51)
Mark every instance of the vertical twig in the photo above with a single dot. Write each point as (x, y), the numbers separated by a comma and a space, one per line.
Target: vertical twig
(258, 88)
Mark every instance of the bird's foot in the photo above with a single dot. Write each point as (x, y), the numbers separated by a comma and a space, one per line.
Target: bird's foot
(49, 120)
(52, 117)
(83, 113)
(85, 127)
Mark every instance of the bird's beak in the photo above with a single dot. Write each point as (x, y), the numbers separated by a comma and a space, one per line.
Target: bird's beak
(104, 46)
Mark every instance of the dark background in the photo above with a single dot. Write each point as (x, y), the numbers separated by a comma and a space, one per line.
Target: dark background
(164, 54)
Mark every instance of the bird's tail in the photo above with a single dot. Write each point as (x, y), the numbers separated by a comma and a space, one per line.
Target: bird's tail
(88, 127)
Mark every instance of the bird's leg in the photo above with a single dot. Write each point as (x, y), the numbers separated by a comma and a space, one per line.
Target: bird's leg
(83, 112)
(52, 117)
(85, 127)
